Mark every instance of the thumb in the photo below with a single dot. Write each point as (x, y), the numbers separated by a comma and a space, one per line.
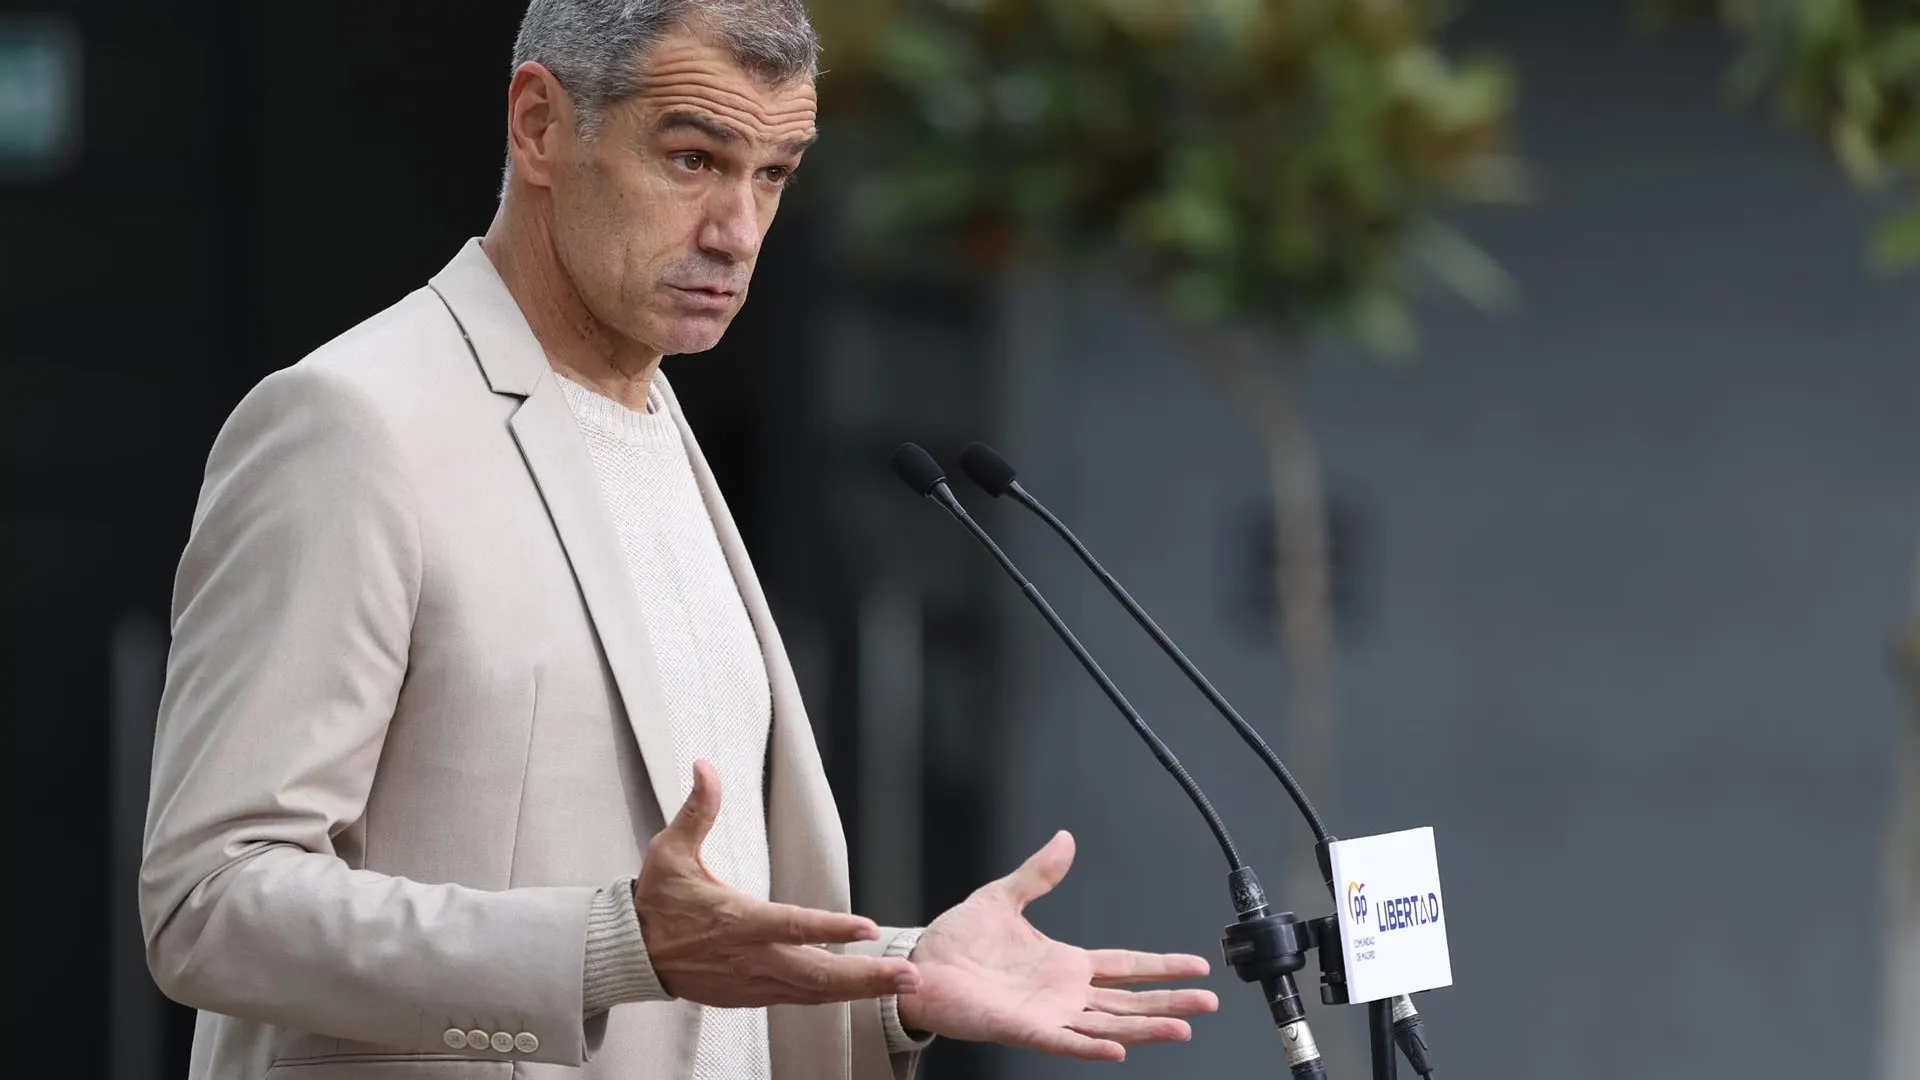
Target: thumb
(1043, 870)
(696, 817)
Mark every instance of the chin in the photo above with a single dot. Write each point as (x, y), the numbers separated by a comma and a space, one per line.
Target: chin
(686, 336)
(691, 345)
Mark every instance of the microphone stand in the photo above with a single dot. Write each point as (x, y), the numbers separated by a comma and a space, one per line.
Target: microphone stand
(1269, 948)
(1261, 947)
(1380, 1039)
(1257, 948)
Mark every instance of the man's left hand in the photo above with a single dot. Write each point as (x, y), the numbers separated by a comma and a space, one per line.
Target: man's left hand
(986, 975)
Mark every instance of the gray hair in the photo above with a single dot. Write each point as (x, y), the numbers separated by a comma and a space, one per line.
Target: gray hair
(597, 48)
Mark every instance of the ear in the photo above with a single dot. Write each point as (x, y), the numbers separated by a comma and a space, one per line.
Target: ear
(540, 123)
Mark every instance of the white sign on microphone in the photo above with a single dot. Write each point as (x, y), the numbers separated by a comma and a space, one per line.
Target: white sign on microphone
(1393, 928)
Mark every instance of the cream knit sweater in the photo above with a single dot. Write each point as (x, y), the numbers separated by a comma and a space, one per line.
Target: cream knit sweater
(719, 706)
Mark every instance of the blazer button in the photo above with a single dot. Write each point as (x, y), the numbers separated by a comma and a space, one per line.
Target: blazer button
(502, 1043)
(455, 1038)
(478, 1040)
(525, 1042)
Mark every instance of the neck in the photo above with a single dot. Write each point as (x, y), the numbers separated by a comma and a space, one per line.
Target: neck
(578, 346)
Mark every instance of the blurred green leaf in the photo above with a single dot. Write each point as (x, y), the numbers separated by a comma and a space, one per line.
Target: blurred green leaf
(1199, 297)
(1896, 52)
(1382, 323)
(1896, 246)
(1190, 222)
(919, 55)
(1492, 179)
(1456, 263)
(1855, 150)
(927, 193)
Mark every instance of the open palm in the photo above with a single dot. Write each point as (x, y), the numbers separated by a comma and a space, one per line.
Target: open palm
(986, 975)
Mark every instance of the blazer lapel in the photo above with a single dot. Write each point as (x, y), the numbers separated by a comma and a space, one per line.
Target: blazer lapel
(543, 426)
(549, 440)
(806, 847)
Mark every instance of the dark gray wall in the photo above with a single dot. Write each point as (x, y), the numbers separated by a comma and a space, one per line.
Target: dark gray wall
(1641, 546)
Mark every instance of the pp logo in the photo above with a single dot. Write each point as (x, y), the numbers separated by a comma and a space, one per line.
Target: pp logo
(1357, 900)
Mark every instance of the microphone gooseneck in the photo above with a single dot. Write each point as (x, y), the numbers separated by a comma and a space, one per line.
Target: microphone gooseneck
(919, 471)
(994, 476)
(1262, 947)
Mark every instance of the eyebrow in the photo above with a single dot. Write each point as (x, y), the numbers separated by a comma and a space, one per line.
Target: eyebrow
(724, 134)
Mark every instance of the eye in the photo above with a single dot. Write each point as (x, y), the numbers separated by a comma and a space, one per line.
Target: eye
(778, 175)
(691, 161)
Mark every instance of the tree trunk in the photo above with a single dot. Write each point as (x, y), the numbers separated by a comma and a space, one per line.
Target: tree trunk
(1900, 1049)
(1267, 382)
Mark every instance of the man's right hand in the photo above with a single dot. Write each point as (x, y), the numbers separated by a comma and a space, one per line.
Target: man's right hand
(714, 945)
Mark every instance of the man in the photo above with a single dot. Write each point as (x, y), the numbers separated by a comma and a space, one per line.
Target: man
(464, 637)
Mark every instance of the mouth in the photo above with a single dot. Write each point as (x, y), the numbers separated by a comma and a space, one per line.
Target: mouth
(705, 296)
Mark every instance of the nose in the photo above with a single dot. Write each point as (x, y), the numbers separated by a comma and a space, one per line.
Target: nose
(732, 228)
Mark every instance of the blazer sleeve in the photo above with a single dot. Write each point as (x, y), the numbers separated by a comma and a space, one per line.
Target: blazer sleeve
(293, 608)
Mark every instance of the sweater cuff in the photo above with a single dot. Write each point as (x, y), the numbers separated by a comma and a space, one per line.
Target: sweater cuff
(618, 969)
(899, 1039)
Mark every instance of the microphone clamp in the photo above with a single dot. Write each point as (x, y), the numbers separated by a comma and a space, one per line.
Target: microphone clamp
(1268, 949)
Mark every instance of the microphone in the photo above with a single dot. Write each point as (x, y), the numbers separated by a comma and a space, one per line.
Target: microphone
(996, 477)
(920, 472)
(1270, 945)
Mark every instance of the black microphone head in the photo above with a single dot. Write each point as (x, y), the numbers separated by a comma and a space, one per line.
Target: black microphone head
(917, 468)
(988, 469)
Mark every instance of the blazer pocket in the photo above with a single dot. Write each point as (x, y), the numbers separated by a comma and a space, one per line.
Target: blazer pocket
(390, 1067)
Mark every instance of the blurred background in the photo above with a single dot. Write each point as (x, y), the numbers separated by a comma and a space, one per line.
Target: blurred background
(1570, 339)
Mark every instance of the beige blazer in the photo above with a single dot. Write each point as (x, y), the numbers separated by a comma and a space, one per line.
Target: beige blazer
(412, 722)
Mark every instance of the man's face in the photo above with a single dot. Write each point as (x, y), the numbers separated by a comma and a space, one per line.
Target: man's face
(659, 218)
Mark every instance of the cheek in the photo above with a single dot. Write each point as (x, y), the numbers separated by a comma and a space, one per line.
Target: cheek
(610, 236)
(643, 218)
(586, 209)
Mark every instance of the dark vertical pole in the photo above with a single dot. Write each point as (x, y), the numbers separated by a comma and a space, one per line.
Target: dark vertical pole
(137, 669)
(1380, 1037)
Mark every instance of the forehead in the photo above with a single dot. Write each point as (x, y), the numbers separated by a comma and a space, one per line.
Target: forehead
(686, 72)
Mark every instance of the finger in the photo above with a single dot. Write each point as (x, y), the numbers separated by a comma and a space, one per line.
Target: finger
(1123, 967)
(697, 815)
(790, 925)
(1043, 870)
(1069, 1043)
(1132, 1030)
(1154, 1002)
(817, 977)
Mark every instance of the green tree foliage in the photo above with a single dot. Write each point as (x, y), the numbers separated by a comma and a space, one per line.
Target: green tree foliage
(1847, 71)
(1282, 163)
